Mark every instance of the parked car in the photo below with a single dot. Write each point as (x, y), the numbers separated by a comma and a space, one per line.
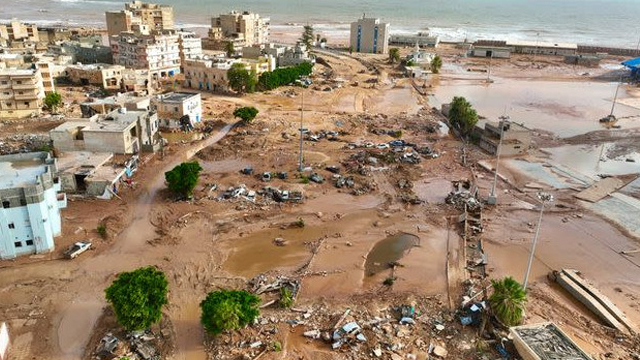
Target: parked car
(266, 176)
(383, 146)
(284, 195)
(396, 143)
(76, 249)
(247, 171)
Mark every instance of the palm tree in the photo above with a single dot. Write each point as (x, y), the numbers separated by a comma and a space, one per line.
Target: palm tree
(508, 300)
(394, 55)
(436, 64)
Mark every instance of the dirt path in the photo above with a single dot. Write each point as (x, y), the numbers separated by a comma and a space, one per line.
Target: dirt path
(126, 254)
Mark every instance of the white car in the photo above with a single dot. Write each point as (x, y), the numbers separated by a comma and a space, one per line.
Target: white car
(77, 249)
(383, 146)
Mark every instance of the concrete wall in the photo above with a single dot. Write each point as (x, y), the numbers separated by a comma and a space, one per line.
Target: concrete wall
(367, 36)
(116, 142)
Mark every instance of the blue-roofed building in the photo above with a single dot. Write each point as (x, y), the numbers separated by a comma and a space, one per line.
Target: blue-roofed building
(634, 66)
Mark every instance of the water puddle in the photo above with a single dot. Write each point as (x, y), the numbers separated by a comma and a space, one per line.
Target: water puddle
(389, 250)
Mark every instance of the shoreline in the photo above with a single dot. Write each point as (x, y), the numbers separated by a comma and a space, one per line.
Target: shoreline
(336, 32)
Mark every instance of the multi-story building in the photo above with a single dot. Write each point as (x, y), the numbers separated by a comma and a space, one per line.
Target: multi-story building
(516, 138)
(30, 212)
(190, 45)
(243, 29)
(156, 17)
(422, 39)
(207, 74)
(369, 35)
(21, 92)
(152, 17)
(178, 109)
(159, 53)
(120, 131)
(49, 73)
(104, 75)
(15, 31)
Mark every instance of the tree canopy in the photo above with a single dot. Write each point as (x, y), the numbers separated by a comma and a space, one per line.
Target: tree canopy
(283, 76)
(394, 55)
(462, 115)
(307, 36)
(247, 113)
(229, 48)
(436, 64)
(183, 178)
(228, 310)
(52, 101)
(508, 300)
(137, 297)
(240, 79)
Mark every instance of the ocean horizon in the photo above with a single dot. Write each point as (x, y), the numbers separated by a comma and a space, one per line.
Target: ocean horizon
(589, 22)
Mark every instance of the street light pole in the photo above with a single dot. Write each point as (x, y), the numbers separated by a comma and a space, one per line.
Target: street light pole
(493, 199)
(544, 197)
(300, 159)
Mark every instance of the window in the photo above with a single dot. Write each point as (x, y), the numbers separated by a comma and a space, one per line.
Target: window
(17, 244)
(26, 103)
(6, 204)
(23, 202)
(12, 226)
(29, 242)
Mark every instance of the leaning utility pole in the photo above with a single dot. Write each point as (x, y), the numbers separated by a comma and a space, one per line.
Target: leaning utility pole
(493, 198)
(544, 198)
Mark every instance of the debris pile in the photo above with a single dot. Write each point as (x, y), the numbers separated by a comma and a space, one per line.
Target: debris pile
(23, 143)
(464, 196)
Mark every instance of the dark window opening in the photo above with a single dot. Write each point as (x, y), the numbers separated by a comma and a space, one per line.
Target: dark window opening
(17, 244)
(6, 204)
(12, 226)
(29, 242)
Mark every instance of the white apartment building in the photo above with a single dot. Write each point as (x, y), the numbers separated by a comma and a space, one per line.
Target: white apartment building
(369, 35)
(178, 109)
(159, 53)
(30, 212)
(244, 29)
(21, 93)
(190, 45)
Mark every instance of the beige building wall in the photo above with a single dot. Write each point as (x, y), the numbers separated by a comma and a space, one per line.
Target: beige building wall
(369, 35)
(246, 28)
(157, 17)
(103, 75)
(157, 53)
(21, 93)
(207, 75)
(118, 21)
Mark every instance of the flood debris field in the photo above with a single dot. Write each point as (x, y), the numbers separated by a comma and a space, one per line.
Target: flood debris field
(368, 237)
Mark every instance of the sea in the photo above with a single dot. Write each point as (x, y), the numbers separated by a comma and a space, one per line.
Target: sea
(590, 22)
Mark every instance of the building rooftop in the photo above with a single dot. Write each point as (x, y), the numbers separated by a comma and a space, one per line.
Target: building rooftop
(547, 341)
(17, 72)
(177, 97)
(541, 44)
(20, 172)
(115, 121)
(98, 66)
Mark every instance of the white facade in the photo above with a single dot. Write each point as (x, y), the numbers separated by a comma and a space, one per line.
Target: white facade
(421, 39)
(190, 45)
(369, 35)
(159, 53)
(173, 106)
(30, 212)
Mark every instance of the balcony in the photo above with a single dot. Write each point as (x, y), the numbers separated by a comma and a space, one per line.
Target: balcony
(5, 86)
(26, 96)
(25, 85)
(4, 96)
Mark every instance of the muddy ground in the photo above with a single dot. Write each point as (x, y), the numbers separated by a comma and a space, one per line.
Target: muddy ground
(209, 243)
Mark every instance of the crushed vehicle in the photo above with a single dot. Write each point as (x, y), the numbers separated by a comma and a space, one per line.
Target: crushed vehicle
(316, 178)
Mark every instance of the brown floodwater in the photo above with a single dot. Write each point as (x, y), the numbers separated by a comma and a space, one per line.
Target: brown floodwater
(389, 250)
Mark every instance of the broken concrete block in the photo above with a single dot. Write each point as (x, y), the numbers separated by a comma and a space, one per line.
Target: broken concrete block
(439, 351)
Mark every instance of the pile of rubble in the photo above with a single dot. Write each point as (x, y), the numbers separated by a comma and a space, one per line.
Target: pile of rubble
(464, 196)
(23, 143)
(142, 345)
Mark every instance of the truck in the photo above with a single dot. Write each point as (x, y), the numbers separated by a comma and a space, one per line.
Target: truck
(76, 249)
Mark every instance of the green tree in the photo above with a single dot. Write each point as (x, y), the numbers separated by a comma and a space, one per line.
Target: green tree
(229, 48)
(394, 55)
(228, 310)
(52, 101)
(307, 36)
(286, 297)
(183, 178)
(137, 297)
(240, 79)
(462, 115)
(246, 113)
(508, 300)
(436, 64)
(283, 76)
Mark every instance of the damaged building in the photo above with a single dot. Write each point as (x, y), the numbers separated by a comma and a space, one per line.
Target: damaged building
(94, 174)
(516, 138)
(120, 132)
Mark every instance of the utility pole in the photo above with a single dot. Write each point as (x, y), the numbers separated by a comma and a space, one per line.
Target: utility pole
(544, 198)
(615, 98)
(489, 72)
(300, 159)
(493, 198)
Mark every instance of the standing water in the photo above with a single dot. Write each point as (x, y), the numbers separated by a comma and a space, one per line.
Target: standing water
(389, 250)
